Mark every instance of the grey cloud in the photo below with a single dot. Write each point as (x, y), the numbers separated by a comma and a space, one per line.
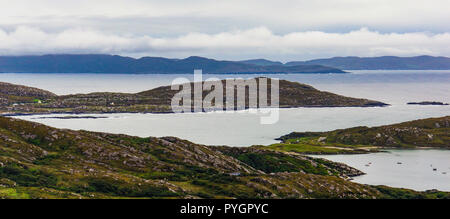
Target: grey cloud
(232, 29)
(281, 16)
(250, 43)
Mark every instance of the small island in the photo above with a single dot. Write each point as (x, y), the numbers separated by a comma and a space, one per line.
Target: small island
(428, 103)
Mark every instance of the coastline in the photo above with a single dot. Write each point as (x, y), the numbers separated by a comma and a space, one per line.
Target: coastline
(171, 112)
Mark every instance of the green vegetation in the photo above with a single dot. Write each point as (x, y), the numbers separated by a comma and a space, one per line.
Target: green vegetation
(38, 161)
(394, 193)
(11, 193)
(274, 162)
(271, 164)
(29, 177)
(308, 149)
(433, 132)
(303, 143)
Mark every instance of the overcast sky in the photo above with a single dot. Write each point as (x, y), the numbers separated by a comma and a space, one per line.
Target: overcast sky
(228, 29)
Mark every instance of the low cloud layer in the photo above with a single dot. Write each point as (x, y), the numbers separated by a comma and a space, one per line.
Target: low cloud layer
(251, 43)
(233, 29)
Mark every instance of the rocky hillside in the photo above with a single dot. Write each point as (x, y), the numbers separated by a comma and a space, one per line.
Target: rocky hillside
(433, 132)
(37, 161)
(11, 93)
(274, 161)
(292, 94)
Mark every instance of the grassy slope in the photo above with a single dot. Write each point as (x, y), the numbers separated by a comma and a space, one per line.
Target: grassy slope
(434, 132)
(37, 161)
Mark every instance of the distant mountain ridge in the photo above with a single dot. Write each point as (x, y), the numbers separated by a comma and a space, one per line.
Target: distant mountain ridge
(99, 63)
(381, 63)
(146, 65)
(369, 63)
(261, 62)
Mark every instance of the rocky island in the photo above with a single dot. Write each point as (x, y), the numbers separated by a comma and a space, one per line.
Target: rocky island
(18, 99)
(429, 103)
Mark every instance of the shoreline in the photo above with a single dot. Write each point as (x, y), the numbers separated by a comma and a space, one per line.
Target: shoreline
(11, 114)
